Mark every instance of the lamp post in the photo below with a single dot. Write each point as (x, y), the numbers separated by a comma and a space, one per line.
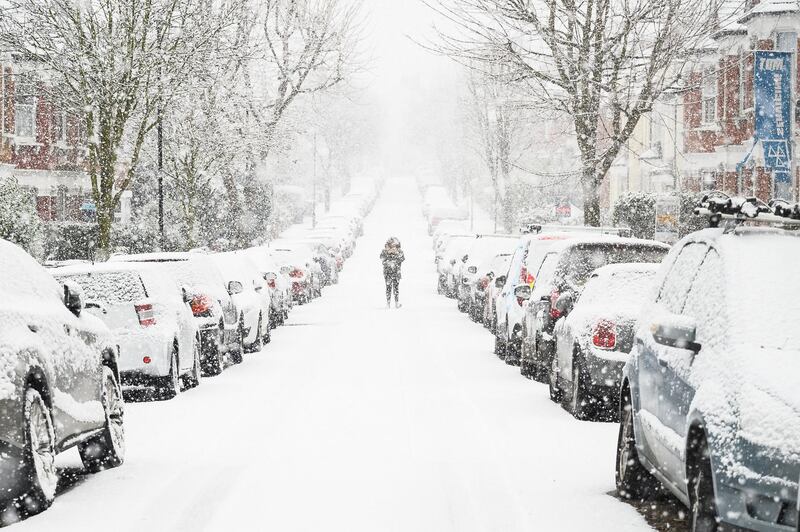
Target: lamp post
(160, 129)
(314, 186)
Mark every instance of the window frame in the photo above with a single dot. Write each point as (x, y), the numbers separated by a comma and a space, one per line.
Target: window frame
(708, 97)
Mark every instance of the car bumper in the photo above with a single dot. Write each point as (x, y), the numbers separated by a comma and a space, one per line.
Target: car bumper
(604, 368)
(764, 505)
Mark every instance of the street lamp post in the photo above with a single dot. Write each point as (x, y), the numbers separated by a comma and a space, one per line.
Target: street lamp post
(161, 178)
(314, 187)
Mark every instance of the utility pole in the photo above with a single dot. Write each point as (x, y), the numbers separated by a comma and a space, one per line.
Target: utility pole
(314, 187)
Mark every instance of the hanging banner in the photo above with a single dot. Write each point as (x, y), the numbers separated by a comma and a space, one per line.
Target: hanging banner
(773, 107)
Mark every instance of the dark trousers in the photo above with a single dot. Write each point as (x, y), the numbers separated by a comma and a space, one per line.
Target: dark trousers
(392, 287)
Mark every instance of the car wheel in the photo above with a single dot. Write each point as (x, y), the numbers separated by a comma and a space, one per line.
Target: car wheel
(258, 344)
(171, 384)
(212, 363)
(237, 353)
(192, 380)
(107, 449)
(524, 364)
(39, 455)
(268, 333)
(701, 493)
(499, 346)
(579, 400)
(556, 394)
(634, 482)
(538, 371)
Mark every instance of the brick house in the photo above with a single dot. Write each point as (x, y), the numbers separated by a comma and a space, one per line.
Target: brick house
(42, 145)
(695, 137)
(718, 103)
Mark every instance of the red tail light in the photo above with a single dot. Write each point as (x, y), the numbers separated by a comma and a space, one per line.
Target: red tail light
(554, 312)
(484, 283)
(604, 335)
(271, 283)
(145, 313)
(525, 277)
(297, 272)
(201, 305)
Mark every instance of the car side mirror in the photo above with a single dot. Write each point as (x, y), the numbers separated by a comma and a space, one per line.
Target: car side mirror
(465, 258)
(500, 281)
(565, 303)
(522, 291)
(187, 297)
(453, 262)
(96, 305)
(235, 287)
(73, 297)
(270, 276)
(676, 331)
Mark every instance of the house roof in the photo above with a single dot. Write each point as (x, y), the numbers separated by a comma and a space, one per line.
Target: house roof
(770, 7)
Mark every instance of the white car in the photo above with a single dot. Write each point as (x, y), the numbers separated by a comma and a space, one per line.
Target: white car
(59, 383)
(280, 290)
(251, 296)
(483, 248)
(446, 264)
(151, 320)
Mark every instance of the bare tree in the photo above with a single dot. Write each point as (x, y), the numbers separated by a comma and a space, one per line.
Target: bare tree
(117, 62)
(602, 63)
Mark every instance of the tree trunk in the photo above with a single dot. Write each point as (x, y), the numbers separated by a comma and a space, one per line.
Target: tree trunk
(591, 197)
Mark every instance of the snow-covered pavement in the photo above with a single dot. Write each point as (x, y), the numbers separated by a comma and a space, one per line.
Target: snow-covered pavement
(359, 418)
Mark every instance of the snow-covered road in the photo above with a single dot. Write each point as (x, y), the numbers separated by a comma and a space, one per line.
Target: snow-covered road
(359, 418)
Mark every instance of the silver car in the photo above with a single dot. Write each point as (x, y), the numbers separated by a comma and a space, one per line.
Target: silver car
(59, 383)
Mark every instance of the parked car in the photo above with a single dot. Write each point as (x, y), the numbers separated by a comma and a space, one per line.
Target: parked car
(494, 275)
(211, 304)
(483, 248)
(566, 267)
(280, 294)
(449, 227)
(151, 321)
(447, 264)
(523, 269)
(710, 406)
(59, 383)
(249, 293)
(594, 337)
(300, 269)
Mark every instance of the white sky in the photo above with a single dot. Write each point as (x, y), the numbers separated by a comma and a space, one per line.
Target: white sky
(404, 75)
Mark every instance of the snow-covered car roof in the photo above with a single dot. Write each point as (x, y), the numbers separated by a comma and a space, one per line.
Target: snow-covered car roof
(23, 277)
(626, 267)
(155, 257)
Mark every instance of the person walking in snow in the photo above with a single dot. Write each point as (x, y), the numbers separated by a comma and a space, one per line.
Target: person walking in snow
(392, 258)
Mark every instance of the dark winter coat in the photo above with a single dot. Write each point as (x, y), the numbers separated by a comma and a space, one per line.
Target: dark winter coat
(392, 259)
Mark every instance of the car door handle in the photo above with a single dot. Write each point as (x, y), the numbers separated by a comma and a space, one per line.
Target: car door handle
(663, 362)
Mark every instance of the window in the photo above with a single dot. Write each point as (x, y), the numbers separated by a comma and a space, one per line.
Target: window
(25, 107)
(60, 126)
(679, 279)
(742, 84)
(705, 301)
(709, 96)
(786, 41)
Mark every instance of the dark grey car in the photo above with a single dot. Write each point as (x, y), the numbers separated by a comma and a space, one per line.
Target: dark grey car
(59, 384)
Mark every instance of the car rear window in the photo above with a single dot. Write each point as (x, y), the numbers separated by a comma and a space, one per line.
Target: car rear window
(110, 287)
(627, 288)
(578, 263)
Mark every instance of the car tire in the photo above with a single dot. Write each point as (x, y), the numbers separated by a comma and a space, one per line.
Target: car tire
(192, 379)
(524, 366)
(170, 386)
(237, 353)
(212, 365)
(258, 344)
(633, 481)
(704, 515)
(39, 473)
(579, 399)
(268, 334)
(499, 346)
(107, 449)
(556, 393)
(538, 372)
